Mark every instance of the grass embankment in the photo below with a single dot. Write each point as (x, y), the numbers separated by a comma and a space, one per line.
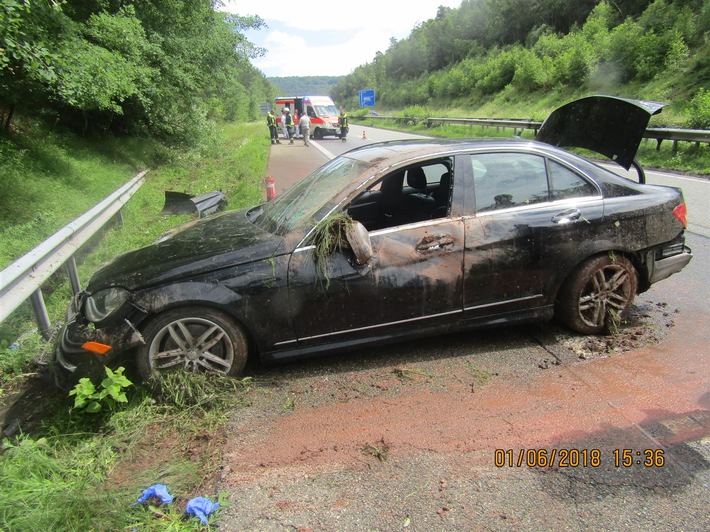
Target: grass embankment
(78, 471)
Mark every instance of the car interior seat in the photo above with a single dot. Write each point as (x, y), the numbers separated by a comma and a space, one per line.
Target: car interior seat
(392, 199)
(419, 204)
(442, 195)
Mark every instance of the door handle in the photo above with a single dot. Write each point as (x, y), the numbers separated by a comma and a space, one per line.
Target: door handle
(568, 216)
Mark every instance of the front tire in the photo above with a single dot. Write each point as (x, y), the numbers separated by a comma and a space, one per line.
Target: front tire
(192, 340)
(597, 294)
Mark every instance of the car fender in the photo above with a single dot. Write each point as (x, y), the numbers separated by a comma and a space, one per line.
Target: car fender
(254, 295)
(159, 299)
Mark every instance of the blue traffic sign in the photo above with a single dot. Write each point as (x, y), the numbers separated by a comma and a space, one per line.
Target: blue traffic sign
(367, 98)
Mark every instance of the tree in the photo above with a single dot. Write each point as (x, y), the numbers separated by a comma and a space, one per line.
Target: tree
(158, 67)
(26, 60)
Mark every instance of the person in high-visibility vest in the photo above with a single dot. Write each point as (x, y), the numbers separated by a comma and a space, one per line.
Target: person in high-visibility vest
(343, 123)
(273, 131)
(288, 124)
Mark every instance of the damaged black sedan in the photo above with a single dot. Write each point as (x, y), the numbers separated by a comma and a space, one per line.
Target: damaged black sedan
(393, 241)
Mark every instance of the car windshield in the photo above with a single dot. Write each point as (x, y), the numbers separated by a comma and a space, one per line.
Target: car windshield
(326, 110)
(299, 206)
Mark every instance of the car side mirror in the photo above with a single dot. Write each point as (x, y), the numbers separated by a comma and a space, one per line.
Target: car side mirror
(359, 240)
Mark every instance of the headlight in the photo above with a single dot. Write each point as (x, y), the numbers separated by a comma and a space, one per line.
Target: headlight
(102, 304)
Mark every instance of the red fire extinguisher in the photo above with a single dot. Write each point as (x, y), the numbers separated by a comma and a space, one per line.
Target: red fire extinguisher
(270, 188)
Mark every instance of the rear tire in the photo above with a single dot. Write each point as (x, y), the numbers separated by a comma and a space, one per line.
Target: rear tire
(597, 294)
(192, 340)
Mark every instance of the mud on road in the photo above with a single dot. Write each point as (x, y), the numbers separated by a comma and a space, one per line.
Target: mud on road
(406, 437)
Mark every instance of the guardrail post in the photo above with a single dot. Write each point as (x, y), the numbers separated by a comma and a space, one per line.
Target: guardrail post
(73, 275)
(41, 316)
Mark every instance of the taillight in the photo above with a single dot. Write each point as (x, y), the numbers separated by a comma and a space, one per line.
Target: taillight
(681, 213)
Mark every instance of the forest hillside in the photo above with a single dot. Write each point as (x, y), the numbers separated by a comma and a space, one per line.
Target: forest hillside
(548, 51)
(305, 85)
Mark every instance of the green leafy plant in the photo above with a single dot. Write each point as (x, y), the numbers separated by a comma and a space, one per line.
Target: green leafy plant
(111, 391)
(699, 116)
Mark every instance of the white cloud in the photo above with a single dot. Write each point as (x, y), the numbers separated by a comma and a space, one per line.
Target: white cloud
(315, 41)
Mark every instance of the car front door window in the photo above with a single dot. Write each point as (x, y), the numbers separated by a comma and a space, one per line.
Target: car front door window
(411, 195)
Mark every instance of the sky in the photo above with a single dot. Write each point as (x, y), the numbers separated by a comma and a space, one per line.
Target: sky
(326, 38)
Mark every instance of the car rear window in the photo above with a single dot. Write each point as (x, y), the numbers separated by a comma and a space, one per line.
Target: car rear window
(567, 184)
(504, 180)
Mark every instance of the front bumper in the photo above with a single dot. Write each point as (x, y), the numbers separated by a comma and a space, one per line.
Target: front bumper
(72, 361)
(326, 130)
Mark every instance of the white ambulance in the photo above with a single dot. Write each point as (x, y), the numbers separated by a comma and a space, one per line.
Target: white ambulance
(321, 110)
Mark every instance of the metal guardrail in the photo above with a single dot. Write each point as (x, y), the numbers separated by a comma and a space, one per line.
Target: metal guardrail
(659, 134)
(488, 122)
(22, 280)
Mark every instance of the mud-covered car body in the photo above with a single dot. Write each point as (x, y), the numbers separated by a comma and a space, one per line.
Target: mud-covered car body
(449, 235)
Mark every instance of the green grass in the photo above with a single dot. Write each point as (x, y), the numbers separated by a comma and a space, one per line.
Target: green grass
(78, 472)
(48, 180)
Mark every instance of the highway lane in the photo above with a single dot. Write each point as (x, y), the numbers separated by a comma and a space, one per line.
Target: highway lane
(696, 191)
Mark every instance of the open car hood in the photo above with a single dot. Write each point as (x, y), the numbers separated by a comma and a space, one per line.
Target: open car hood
(608, 125)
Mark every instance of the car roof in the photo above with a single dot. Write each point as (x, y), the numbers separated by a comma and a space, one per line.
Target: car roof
(384, 156)
(391, 153)
(408, 148)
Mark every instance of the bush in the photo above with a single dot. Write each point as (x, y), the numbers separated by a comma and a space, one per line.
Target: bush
(700, 110)
(530, 73)
(624, 49)
(417, 112)
(498, 72)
